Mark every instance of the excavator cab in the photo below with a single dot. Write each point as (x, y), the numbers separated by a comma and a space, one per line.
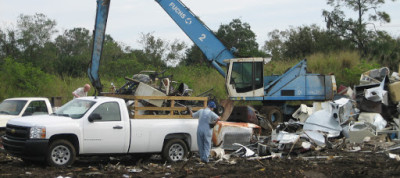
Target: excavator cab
(245, 77)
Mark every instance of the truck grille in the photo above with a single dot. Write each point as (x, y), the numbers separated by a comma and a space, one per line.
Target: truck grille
(17, 132)
(14, 140)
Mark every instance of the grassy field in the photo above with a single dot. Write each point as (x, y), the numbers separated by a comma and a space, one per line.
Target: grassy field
(18, 80)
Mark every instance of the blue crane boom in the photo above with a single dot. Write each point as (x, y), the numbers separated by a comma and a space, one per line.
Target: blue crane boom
(199, 33)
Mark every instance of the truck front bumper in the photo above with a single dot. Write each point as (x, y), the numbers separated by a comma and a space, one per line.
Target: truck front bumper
(29, 149)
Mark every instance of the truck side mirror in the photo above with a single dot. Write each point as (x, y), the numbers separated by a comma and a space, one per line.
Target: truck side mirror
(94, 116)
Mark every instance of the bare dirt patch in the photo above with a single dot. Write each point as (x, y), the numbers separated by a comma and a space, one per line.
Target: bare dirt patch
(327, 164)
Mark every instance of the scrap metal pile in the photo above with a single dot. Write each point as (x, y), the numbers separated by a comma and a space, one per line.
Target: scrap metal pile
(152, 83)
(147, 83)
(364, 118)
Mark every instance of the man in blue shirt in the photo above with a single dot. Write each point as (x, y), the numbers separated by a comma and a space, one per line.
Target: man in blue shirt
(204, 131)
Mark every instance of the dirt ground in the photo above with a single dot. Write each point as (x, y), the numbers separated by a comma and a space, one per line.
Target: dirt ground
(332, 164)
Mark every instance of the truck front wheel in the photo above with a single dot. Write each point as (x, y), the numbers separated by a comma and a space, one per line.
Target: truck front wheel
(61, 153)
(174, 150)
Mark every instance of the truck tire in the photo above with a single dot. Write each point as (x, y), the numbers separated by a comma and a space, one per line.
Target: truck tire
(61, 153)
(174, 150)
(273, 115)
(220, 110)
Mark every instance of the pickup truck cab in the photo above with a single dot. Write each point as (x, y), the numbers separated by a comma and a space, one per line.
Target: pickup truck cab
(97, 125)
(19, 107)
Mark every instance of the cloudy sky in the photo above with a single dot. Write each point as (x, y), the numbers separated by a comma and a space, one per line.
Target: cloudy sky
(129, 18)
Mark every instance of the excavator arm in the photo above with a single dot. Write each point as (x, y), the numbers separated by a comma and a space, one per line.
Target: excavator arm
(198, 32)
(98, 40)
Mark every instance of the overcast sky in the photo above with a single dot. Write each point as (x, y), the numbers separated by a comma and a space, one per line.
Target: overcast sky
(128, 18)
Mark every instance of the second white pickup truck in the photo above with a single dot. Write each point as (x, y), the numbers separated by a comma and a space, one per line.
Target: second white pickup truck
(26, 106)
(97, 125)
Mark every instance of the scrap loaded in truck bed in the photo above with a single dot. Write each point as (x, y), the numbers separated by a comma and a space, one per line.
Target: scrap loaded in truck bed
(173, 107)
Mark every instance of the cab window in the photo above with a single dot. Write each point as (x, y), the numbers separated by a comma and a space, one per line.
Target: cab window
(108, 111)
(36, 108)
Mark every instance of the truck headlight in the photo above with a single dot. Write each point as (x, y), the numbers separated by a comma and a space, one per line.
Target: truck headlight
(37, 132)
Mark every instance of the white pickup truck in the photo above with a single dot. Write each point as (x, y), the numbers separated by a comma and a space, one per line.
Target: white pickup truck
(19, 107)
(97, 125)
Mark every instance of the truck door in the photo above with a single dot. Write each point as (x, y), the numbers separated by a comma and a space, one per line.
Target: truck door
(108, 133)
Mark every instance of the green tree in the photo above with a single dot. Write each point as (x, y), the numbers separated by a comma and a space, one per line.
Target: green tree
(355, 29)
(73, 52)
(8, 44)
(302, 41)
(117, 60)
(73, 42)
(154, 48)
(276, 46)
(239, 35)
(34, 32)
(306, 40)
(122, 67)
(112, 49)
(194, 56)
(161, 53)
(386, 50)
(176, 52)
(48, 58)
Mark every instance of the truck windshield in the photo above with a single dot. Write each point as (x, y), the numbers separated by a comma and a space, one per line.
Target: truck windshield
(75, 108)
(12, 107)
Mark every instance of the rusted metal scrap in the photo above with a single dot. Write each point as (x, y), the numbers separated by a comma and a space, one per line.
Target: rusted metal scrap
(225, 134)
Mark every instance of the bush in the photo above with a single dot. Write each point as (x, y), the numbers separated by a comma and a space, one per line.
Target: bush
(19, 79)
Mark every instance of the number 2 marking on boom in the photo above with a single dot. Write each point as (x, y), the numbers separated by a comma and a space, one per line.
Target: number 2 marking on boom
(202, 37)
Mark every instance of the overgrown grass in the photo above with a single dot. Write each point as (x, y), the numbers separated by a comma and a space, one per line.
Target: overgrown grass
(278, 67)
(347, 66)
(201, 78)
(22, 80)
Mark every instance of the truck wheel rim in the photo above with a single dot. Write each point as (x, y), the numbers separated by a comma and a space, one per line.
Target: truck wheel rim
(60, 155)
(176, 152)
(273, 119)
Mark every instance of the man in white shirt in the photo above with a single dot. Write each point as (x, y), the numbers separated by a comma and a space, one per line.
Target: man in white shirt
(82, 91)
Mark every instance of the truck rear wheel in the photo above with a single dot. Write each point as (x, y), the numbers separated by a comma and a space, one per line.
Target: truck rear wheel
(61, 153)
(174, 150)
(273, 114)
(220, 110)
